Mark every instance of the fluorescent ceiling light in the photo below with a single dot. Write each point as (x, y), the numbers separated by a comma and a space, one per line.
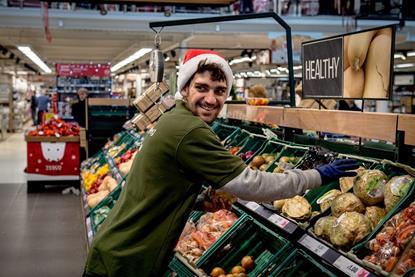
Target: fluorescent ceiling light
(410, 54)
(404, 65)
(241, 60)
(131, 58)
(399, 56)
(34, 58)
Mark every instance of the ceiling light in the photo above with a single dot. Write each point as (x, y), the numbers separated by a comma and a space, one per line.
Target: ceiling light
(399, 56)
(34, 58)
(241, 60)
(131, 58)
(410, 54)
(404, 65)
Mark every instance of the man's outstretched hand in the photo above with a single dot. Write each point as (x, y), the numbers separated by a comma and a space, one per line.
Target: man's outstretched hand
(338, 168)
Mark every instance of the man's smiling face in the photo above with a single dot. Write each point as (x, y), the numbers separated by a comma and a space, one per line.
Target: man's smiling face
(204, 97)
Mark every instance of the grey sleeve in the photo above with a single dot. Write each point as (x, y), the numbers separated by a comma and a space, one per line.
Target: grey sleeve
(256, 185)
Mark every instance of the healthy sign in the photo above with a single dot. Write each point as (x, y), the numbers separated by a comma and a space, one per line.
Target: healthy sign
(323, 68)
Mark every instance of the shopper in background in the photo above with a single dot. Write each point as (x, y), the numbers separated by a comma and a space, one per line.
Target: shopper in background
(33, 106)
(246, 6)
(79, 107)
(42, 102)
(179, 155)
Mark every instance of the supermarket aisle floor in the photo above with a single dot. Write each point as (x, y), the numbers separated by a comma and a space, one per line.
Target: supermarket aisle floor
(13, 159)
(41, 234)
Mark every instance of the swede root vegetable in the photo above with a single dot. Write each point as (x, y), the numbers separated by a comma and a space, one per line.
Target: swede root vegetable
(346, 63)
(377, 68)
(353, 83)
(357, 48)
(384, 31)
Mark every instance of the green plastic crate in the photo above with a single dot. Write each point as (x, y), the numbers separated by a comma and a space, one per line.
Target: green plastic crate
(235, 139)
(269, 147)
(252, 143)
(359, 251)
(178, 267)
(108, 201)
(389, 170)
(223, 131)
(248, 238)
(300, 264)
(289, 150)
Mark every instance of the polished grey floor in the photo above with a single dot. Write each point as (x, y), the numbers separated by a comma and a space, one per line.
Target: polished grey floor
(41, 234)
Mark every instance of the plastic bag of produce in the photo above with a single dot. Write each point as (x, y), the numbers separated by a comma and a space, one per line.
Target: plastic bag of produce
(395, 189)
(369, 186)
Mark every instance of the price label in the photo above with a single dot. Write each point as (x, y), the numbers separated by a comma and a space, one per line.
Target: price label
(278, 220)
(350, 268)
(253, 206)
(313, 245)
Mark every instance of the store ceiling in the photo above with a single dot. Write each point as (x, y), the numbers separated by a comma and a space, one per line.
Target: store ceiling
(92, 38)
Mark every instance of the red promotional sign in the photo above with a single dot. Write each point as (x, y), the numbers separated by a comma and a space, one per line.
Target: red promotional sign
(53, 158)
(79, 70)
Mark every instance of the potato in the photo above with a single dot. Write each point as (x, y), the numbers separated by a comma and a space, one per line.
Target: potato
(354, 83)
(263, 167)
(357, 48)
(257, 161)
(377, 68)
(217, 271)
(237, 269)
(247, 262)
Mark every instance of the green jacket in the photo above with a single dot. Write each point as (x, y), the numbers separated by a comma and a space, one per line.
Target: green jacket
(141, 231)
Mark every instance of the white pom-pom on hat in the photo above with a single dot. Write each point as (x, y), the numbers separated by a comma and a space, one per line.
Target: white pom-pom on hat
(191, 60)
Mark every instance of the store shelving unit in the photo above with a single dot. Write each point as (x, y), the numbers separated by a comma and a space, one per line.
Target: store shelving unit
(71, 77)
(105, 118)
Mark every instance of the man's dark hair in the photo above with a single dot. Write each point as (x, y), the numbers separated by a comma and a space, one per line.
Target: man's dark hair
(215, 70)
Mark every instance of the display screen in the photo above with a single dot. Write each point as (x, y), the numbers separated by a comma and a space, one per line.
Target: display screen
(355, 66)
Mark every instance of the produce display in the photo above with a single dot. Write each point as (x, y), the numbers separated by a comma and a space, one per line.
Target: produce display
(257, 101)
(395, 189)
(297, 208)
(355, 215)
(345, 214)
(107, 185)
(263, 161)
(390, 242)
(246, 155)
(197, 238)
(369, 186)
(233, 150)
(125, 162)
(315, 157)
(56, 127)
(246, 265)
(285, 163)
(407, 261)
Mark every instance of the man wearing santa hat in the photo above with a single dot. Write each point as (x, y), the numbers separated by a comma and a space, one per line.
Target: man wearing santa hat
(181, 154)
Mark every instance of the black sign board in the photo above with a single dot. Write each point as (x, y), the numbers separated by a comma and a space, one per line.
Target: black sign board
(323, 68)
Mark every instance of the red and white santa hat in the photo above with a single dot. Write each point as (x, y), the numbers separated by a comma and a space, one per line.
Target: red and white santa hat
(190, 63)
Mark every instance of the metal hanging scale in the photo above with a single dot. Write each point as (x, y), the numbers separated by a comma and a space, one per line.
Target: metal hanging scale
(157, 61)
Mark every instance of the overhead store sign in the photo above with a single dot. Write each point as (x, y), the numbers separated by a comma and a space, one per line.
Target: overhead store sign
(355, 66)
(79, 70)
(323, 68)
